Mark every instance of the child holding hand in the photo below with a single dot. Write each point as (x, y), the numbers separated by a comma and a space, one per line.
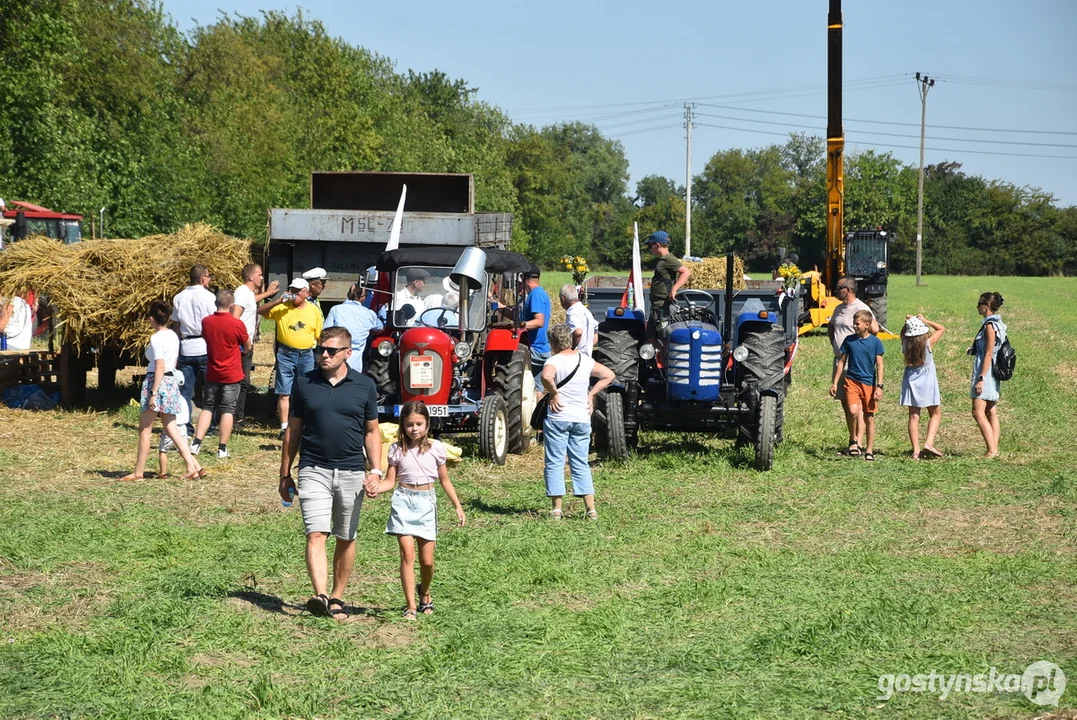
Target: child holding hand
(416, 462)
(861, 360)
(920, 384)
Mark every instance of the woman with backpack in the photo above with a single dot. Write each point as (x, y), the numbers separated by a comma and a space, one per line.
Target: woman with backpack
(985, 386)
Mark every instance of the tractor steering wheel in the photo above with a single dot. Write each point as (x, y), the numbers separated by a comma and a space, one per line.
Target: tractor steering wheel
(703, 299)
(438, 317)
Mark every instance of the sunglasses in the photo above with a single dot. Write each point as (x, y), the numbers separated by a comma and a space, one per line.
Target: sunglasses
(331, 350)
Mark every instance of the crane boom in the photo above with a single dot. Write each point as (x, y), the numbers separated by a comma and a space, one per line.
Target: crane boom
(835, 153)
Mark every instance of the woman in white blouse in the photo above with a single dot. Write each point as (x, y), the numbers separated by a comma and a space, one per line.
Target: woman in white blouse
(161, 394)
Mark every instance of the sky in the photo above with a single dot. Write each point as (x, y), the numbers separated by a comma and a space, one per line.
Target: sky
(1004, 104)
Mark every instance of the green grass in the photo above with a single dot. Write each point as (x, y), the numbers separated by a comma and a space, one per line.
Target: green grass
(706, 589)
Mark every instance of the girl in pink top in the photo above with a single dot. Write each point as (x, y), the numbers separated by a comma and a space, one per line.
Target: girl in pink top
(416, 462)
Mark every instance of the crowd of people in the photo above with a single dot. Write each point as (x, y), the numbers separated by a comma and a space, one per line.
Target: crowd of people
(328, 409)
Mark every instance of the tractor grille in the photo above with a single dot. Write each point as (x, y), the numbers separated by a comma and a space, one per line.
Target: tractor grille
(679, 364)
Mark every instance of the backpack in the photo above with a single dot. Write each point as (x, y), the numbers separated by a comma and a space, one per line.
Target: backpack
(1005, 360)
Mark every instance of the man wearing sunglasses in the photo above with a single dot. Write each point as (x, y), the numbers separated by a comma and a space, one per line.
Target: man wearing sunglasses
(333, 427)
(839, 328)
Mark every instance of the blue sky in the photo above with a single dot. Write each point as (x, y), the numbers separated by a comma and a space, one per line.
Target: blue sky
(629, 67)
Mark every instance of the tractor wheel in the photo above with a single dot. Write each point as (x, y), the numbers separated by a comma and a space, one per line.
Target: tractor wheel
(380, 370)
(766, 357)
(618, 349)
(515, 384)
(877, 303)
(765, 438)
(779, 420)
(493, 429)
(608, 422)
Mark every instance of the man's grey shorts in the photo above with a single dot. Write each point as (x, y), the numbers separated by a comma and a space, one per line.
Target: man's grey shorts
(331, 500)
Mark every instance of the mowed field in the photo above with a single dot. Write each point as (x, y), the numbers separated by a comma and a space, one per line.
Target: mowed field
(706, 589)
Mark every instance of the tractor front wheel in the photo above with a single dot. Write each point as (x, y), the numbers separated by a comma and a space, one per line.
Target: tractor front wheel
(765, 435)
(493, 429)
(608, 422)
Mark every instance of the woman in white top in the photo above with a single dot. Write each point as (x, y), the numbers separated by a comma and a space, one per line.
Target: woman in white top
(161, 395)
(566, 377)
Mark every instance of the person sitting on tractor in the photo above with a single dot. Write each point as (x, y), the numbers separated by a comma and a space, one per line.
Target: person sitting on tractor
(410, 296)
(670, 275)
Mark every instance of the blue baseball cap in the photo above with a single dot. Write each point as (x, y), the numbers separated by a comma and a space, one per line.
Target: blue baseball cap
(659, 237)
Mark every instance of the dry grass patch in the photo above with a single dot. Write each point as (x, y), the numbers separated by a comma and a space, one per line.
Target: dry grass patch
(66, 597)
(1001, 529)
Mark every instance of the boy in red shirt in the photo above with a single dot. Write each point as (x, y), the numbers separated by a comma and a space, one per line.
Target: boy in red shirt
(226, 340)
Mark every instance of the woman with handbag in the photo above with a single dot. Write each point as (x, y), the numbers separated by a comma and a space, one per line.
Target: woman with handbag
(566, 378)
(985, 386)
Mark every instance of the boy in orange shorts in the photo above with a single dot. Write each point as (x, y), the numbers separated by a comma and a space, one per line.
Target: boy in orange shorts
(862, 362)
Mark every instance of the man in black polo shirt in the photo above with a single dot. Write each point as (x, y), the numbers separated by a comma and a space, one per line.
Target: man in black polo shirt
(333, 416)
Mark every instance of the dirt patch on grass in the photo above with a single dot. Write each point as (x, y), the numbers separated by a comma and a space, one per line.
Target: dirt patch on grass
(1002, 529)
(68, 597)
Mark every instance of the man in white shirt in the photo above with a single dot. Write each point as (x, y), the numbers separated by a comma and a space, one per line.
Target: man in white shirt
(189, 307)
(17, 323)
(579, 320)
(246, 309)
(840, 327)
(410, 296)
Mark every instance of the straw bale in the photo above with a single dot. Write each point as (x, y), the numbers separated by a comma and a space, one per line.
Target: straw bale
(101, 289)
(710, 273)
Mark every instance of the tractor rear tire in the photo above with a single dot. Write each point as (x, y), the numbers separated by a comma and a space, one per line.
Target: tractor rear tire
(493, 429)
(608, 422)
(618, 349)
(877, 303)
(766, 357)
(380, 370)
(514, 383)
(765, 434)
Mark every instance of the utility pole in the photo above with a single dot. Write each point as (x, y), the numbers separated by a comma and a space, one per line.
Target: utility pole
(688, 181)
(923, 84)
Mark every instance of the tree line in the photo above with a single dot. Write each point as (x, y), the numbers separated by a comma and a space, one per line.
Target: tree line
(107, 104)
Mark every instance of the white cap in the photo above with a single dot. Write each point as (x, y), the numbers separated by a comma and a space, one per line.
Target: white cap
(316, 274)
(915, 327)
(299, 284)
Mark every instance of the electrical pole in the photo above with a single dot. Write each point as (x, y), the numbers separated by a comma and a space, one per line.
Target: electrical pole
(688, 182)
(923, 84)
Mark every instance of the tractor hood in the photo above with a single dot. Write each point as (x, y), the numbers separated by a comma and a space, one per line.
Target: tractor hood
(497, 261)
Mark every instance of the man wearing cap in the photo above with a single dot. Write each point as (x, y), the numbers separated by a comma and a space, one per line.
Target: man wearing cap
(536, 322)
(190, 307)
(670, 275)
(409, 296)
(316, 278)
(299, 324)
(358, 319)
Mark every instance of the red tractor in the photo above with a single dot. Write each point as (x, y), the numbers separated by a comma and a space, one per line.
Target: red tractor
(448, 344)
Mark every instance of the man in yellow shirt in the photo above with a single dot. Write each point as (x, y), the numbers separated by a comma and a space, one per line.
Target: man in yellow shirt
(299, 323)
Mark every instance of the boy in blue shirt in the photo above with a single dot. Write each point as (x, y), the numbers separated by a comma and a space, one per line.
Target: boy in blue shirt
(862, 352)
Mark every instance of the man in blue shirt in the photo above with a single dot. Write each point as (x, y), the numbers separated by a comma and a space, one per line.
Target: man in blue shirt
(359, 321)
(536, 321)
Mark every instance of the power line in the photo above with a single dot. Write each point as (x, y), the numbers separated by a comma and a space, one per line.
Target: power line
(887, 145)
(889, 134)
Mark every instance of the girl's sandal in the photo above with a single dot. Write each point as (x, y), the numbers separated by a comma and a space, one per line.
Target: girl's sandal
(425, 608)
(870, 457)
(132, 477)
(853, 450)
(409, 614)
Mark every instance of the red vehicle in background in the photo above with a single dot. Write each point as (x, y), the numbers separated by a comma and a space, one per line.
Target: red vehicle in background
(29, 219)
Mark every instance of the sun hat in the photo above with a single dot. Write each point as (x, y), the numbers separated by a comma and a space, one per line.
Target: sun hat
(915, 327)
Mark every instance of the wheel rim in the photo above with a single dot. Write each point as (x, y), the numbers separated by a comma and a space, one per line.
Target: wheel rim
(501, 432)
(527, 400)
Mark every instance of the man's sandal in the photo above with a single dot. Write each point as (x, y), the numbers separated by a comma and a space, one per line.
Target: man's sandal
(318, 605)
(336, 607)
(869, 456)
(852, 451)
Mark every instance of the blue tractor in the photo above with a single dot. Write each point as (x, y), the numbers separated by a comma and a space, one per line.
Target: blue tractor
(696, 373)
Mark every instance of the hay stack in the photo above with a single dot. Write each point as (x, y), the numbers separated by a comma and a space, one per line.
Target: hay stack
(710, 274)
(101, 289)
